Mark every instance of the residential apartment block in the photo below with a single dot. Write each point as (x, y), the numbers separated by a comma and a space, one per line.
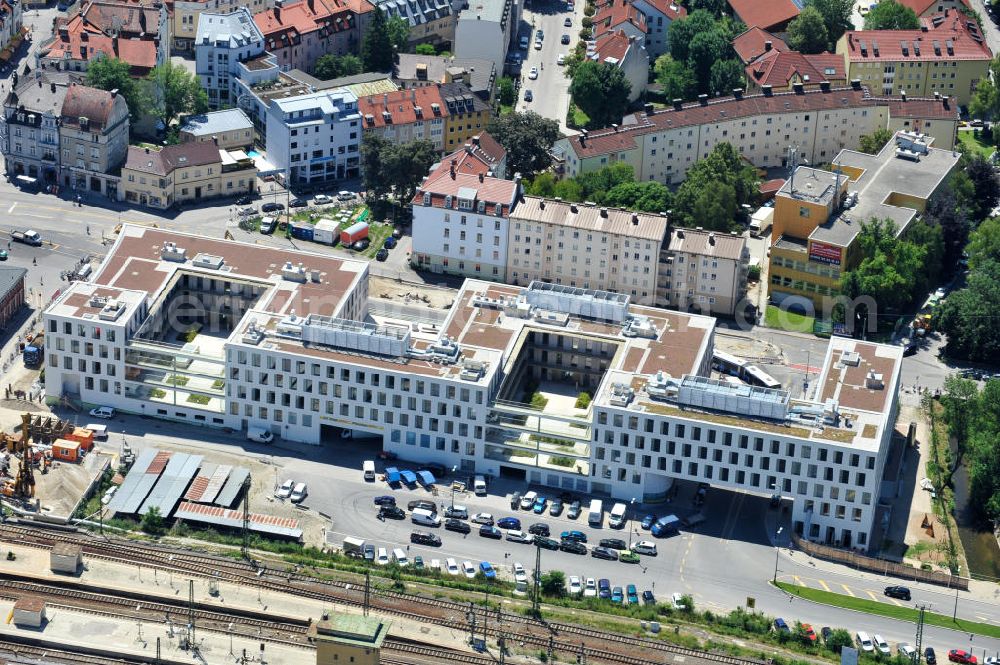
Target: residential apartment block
(662, 145)
(659, 15)
(585, 246)
(136, 32)
(460, 223)
(467, 115)
(31, 115)
(227, 129)
(481, 155)
(177, 174)
(184, 17)
(412, 70)
(487, 30)
(704, 271)
(947, 56)
(818, 215)
(93, 139)
(284, 340)
(772, 15)
(301, 31)
(407, 115)
(627, 53)
(431, 21)
(315, 138)
(928, 8)
(223, 42)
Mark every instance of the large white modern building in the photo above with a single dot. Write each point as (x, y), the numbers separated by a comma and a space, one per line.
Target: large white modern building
(316, 137)
(235, 335)
(223, 42)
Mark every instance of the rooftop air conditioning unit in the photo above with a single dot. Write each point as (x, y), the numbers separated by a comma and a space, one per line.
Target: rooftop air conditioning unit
(171, 252)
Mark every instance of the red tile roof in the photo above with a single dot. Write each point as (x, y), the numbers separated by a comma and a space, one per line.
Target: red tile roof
(779, 68)
(88, 35)
(284, 26)
(443, 183)
(952, 39)
(163, 161)
(669, 8)
(402, 106)
(766, 14)
(752, 44)
(476, 158)
(614, 45)
(615, 14)
(921, 6)
(84, 102)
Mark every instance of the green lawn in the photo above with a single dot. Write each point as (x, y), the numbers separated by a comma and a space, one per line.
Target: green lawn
(888, 610)
(972, 144)
(775, 317)
(577, 118)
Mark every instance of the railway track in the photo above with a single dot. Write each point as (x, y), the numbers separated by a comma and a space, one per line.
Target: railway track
(595, 645)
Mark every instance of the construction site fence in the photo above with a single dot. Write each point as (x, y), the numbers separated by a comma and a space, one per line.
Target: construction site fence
(881, 566)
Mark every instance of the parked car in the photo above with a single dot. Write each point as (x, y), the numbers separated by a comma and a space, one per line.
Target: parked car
(420, 503)
(468, 569)
(268, 225)
(285, 490)
(568, 22)
(561, 60)
(613, 543)
(564, 39)
(604, 589)
(677, 602)
(424, 538)
(392, 512)
(539, 529)
(648, 598)
(590, 588)
(574, 510)
(368, 551)
(385, 500)
(528, 500)
(299, 493)
(390, 243)
(605, 553)
(509, 523)
(418, 562)
(810, 634)
(646, 547)
(533, 73)
(901, 592)
(962, 656)
(617, 596)
(826, 632)
(929, 656)
(272, 207)
(647, 522)
(575, 585)
(298, 203)
(516, 536)
(539, 506)
(490, 531)
(382, 254)
(457, 512)
(103, 412)
(555, 510)
(528, 95)
(631, 594)
(457, 526)
(573, 547)
(486, 568)
(908, 652)
(361, 245)
(382, 558)
(482, 518)
(452, 567)
(520, 575)
(578, 536)
(322, 200)
(244, 200)
(627, 556)
(546, 543)
(515, 500)
(344, 195)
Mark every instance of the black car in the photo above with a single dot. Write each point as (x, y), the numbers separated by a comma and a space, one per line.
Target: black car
(564, 39)
(420, 503)
(244, 200)
(574, 510)
(546, 543)
(901, 592)
(424, 538)
(539, 529)
(826, 632)
(490, 531)
(929, 656)
(573, 547)
(298, 203)
(385, 500)
(361, 245)
(648, 598)
(555, 510)
(392, 512)
(381, 255)
(605, 553)
(613, 543)
(515, 500)
(438, 470)
(272, 207)
(457, 526)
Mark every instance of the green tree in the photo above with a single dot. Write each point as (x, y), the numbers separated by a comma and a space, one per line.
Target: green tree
(714, 7)
(375, 156)
(507, 94)
(874, 142)
(394, 166)
(113, 74)
(807, 32)
(705, 49)
(527, 138)
(596, 184)
(175, 91)
(984, 243)
(643, 196)
(985, 102)
(425, 49)
(601, 91)
(399, 33)
(714, 189)
(725, 75)
(553, 583)
(543, 184)
(675, 77)
(836, 17)
(838, 639)
(985, 184)
(890, 15)
(152, 521)
(376, 46)
(970, 317)
(682, 31)
(330, 66)
(568, 190)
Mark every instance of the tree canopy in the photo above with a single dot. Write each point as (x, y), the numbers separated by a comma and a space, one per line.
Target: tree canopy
(698, 43)
(175, 91)
(725, 75)
(527, 138)
(113, 74)
(807, 32)
(613, 185)
(425, 49)
(984, 244)
(714, 189)
(331, 66)
(890, 15)
(970, 317)
(601, 91)
(836, 17)
(387, 165)
(985, 102)
(874, 142)
(676, 78)
(399, 32)
(377, 44)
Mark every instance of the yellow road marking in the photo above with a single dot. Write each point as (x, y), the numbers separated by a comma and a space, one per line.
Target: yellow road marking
(871, 595)
(798, 580)
(847, 589)
(896, 602)
(824, 585)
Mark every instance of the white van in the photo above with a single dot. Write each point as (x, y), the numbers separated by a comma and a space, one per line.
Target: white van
(399, 558)
(100, 431)
(368, 466)
(479, 485)
(259, 434)
(425, 517)
(616, 519)
(596, 514)
(864, 642)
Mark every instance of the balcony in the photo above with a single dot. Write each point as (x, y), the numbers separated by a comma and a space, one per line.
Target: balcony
(539, 460)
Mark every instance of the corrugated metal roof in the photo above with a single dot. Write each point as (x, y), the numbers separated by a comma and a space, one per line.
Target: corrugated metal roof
(181, 469)
(216, 482)
(269, 524)
(138, 482)
(227, 496)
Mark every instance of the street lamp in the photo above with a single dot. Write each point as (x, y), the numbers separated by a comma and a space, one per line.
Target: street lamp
(777, 549)
(631, 510)
(453, 470)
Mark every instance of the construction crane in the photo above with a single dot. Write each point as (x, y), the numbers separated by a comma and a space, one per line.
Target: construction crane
(24, 483)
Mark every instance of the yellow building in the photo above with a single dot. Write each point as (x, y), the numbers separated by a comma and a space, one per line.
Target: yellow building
(164, 177)
(467, 115)
(818, 215)
(348, 638)
(946, 55)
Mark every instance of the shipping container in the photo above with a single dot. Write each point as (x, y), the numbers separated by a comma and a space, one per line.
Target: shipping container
(84, 436)
(354, 233)
(302, 231)
(65, 450)
(326, 232)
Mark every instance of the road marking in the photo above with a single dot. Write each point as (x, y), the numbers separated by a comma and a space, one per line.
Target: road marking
(824, 585)
(895, 602)
(871, 594)
(798, 580)
(31, 214)
(11, 208)
(847, 589)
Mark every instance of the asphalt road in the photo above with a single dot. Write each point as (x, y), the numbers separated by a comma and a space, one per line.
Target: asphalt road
(551, 88)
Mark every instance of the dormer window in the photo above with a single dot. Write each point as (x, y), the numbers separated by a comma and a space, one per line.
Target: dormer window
(447, 201)
(465, 204)
(498, 210)
(482, 207)
(427, 198)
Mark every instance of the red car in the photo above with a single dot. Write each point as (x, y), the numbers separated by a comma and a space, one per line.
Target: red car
(810, 633)
(962, 656)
